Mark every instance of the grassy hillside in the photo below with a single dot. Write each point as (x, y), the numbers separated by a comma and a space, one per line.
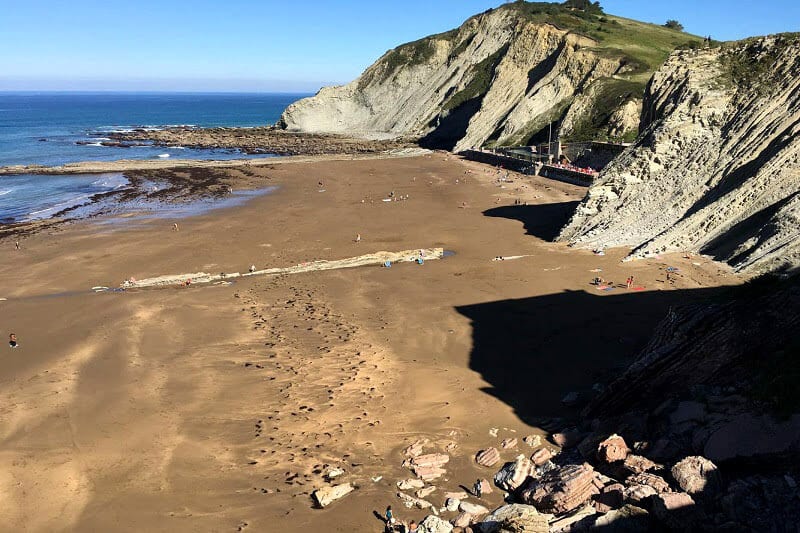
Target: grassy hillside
(639, 46)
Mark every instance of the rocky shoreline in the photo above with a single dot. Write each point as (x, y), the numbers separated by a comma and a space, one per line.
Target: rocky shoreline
(259, 140)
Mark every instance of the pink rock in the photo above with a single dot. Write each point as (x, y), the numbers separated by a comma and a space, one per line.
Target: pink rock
(613, 449)
(424, 493)
(541, 456)
(486, 487)
(428, 473)
(562, 490)
(637, 494)
(488, 457)
(460, 495)
(431, 459)
(416, 448)
(637, 464)
(508, 443)
(463, 520)
(650, 480)
(675, 509)
(611, 497)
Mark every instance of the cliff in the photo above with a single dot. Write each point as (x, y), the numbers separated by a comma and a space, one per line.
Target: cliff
(716, 169)
(500, 78)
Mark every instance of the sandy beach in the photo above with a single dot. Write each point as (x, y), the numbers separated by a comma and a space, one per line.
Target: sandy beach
(221, 407)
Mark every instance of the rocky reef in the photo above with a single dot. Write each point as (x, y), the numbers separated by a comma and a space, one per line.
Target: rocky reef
(500, 78)
(716, 168)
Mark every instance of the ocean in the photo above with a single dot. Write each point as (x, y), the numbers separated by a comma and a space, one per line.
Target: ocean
(45, 129)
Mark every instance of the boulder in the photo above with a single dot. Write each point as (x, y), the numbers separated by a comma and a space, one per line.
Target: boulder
(639, 494)
(613, 449)
(434, 524)
(651, 480)
(456, 495)
(573, 521)
(472, 508)
(611, 497)
(517, 518)
(563, 490)
(487, 457)
(424, 493)
(627, 518)
(431, 459)
(636, 464)
(697, 475)
(533, 440)
(676, 510)
(409, 484)
(410, 501)
(486, 487)
(415, 448)
(541, 456)
(327, 495)
(463, 520)
(510, 442)
(513, 475)
(428, 473)
(451, 504)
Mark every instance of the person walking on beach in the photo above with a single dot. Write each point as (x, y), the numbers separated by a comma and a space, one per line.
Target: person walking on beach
(175, 227)
(16, 245)
(12, 340)
(477, 489)
(390, 520)
(358, 237)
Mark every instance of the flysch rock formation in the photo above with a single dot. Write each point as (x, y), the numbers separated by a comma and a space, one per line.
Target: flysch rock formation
(499, 77)
(716, 168)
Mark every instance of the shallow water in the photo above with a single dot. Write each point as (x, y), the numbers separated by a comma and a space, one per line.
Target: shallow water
(27, 197)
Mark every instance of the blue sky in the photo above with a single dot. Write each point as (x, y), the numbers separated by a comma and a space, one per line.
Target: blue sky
(238, 45)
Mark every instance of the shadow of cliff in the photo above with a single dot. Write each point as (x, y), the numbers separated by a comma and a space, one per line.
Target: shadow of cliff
(451, 127)
(534, 351)
(542, 220)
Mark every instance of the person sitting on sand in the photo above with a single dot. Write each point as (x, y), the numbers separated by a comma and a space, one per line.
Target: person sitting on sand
(12, 340)
(252, 268)
(175, 227)
(358, 237)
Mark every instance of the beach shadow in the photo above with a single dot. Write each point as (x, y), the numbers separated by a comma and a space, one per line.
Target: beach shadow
(543, 221)
(534, 351)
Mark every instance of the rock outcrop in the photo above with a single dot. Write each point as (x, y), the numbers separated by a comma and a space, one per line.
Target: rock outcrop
(501, 77)
(716, 168)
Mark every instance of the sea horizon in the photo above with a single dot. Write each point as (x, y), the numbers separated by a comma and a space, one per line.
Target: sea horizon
(54, 128)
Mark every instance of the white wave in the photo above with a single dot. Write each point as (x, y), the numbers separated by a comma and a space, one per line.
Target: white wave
(6, 191)
(163, 156)
(57, 207)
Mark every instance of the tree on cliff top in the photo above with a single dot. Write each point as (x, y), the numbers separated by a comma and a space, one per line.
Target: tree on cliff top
(584, 5)
(673, 25)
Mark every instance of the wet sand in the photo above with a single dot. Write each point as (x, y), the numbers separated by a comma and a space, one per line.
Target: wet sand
(219, 408)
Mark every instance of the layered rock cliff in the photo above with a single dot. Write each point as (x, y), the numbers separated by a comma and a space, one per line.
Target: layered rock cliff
(717, 167)
(500, 78)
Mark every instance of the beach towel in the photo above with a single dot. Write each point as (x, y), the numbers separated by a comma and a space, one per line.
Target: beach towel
(607, 289)
(604, 287)
(638, 288)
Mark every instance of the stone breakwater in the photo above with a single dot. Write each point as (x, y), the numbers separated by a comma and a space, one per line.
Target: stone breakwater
(263, 140)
